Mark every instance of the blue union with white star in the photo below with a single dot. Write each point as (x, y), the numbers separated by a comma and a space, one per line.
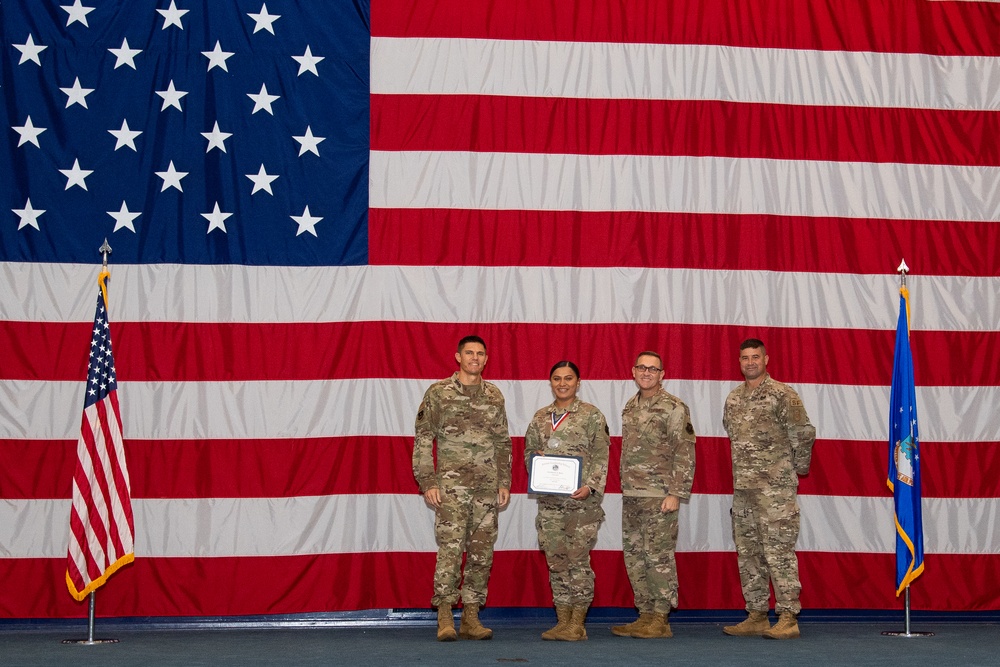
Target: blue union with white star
(101, 378)
(185, 132)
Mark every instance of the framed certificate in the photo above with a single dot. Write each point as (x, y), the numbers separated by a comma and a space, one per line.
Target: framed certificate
(555, 475)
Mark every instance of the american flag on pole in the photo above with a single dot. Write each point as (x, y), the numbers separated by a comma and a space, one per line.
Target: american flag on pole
(311, 201)
(102, 532)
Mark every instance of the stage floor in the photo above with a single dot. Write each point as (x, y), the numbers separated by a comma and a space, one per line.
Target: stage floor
(694, 643)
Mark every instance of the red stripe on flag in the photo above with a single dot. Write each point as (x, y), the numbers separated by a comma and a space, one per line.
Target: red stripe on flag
(683, 127)
(221, 468)
(103, 492)
(684, 240)
(905, 26)
(79, 545)
(298, 584)
(94, 531)
(107, 477)
(221, 352)
(120, 474)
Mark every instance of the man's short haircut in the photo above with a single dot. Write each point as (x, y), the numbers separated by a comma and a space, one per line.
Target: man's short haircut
(649, 353)
(471, 339)
(754, 343)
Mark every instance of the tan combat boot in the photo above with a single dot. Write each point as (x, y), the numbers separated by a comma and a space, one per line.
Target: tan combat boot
(628, 629)
(563, 616)
(787, 627)
(575, 630)
(446, 624)
(755, 625)
(657, 627)
(470, 627)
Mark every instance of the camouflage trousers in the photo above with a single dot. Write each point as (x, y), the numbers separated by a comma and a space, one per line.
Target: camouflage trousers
(765, 529)
(567, 531)
(649, 538)
(466, 523)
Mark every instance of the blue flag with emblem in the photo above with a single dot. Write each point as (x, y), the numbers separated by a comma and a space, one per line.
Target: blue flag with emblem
(904, 456)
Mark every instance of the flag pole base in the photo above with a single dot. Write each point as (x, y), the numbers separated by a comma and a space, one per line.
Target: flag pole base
(90, 641)
(906, 622)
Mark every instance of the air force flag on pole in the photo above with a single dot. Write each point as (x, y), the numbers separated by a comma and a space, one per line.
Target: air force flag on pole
(904, 456)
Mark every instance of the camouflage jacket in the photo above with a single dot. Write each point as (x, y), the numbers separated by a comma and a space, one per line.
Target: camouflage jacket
(473, 442)
(657, 447)
(769, 433)
(584, 433)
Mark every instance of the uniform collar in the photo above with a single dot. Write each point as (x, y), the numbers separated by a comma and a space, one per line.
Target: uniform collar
(573, 407)
(640, 400)
(459, 386)
(764, 382)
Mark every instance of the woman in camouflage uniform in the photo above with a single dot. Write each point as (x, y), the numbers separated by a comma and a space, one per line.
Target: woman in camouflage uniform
(567, 524)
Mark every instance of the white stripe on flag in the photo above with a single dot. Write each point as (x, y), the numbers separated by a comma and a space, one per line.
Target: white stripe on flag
(688, 72)
(232, 293)
(223, 527)
(687, 184)
(109, 437)
(331, 408)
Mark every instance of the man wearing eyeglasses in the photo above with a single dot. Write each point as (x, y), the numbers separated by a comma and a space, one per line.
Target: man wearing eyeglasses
(657, 469)
(771, 441)
(467, 418)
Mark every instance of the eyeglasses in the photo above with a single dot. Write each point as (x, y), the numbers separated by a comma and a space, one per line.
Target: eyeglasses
(647, 369)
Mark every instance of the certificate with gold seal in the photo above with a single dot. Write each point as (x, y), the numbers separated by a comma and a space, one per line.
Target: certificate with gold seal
(555, 475)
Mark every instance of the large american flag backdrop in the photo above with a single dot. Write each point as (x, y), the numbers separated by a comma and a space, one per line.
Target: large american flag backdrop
(310, 202)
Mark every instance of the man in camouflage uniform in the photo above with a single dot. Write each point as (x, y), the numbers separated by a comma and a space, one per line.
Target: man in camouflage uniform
(771, 441)
(657, 470)
(467, 418)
